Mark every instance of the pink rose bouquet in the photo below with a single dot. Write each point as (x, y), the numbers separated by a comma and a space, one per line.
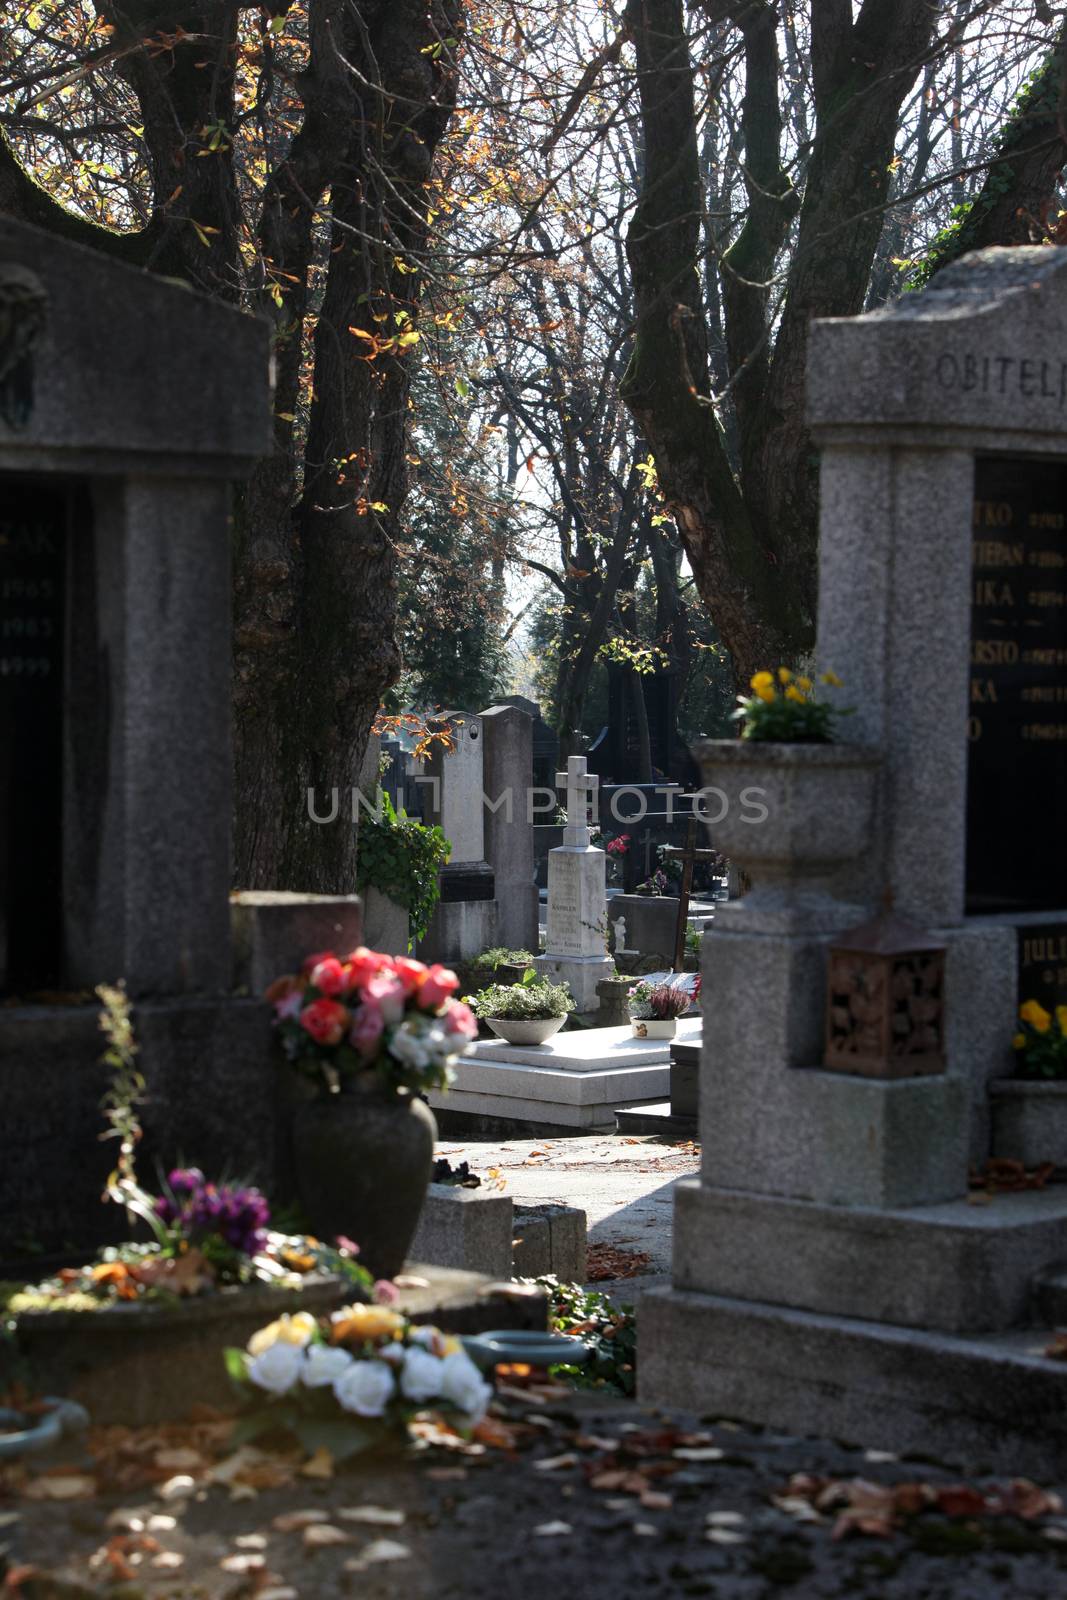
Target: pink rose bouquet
(371, 1014)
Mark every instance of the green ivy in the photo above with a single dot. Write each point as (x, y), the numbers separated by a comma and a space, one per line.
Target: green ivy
(1037, 100)
(401, 858)
(608, 1330)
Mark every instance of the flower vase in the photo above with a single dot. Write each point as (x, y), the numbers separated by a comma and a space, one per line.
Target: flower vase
(363, 1163)
(654, 1027)
(791, 816)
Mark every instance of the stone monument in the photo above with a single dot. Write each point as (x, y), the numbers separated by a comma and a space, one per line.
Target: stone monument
(576, 940)
(829, 1275)
(507, 733)
(127, 407)
(464, 923)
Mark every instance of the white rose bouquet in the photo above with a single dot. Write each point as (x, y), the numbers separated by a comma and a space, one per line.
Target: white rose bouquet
(351, 1380)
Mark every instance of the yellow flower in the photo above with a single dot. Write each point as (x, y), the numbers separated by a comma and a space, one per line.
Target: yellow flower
(832, 679)
(1035, 1014)
(793, 693)
(295, 1329)
(762, 680)
(805, 684)
(360, 1324)
(1019, 1042)
(766, 694)
(1061, 1018)
(784, 675)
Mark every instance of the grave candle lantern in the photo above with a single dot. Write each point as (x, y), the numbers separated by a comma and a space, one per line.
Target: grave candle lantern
(885, 1006)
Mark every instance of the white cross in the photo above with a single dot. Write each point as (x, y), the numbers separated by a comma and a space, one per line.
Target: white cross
(582, 787)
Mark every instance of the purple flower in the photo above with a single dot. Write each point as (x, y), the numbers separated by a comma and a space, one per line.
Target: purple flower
(185, 1180)
(201, 1210)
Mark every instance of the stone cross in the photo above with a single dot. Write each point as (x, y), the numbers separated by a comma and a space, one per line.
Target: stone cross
(581, 796)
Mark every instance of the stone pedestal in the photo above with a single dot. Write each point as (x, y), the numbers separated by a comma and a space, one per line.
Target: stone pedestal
(273, 932)
(575, 947)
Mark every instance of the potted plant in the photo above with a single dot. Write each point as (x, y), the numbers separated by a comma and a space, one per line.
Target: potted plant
(790, 805)
(1029, 1109)
(499, 965)
(399, 859)
(655, 1008)
(524, 1013)
(369, 1034)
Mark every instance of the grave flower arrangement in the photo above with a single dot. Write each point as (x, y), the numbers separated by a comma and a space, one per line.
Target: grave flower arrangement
(372, 1016)
(660, 1002)
(1041, 1042)
(206, 1236)
(532, 1000)
(783, 708)
(353, 1380)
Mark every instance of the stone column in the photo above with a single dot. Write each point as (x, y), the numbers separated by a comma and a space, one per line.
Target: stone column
(896, 528)
(508, 773)
(148, 785)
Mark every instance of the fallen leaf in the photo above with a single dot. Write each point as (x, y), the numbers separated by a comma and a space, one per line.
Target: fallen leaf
(377, 1551)
(177, 1488)
(242, 1563)
(320, 1465)
(293, 1521)
(320, 1534)
(179, 1460)
(698, 1453)
(552, 1530)
(960, 1500)
(60, 1486)
(378, 1516)
(556, 1463)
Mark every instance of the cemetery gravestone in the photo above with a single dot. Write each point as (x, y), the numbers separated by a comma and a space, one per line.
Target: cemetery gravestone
(464, 923)
(507, 731)
(116, 457)
(576, 938)
(828, 1254)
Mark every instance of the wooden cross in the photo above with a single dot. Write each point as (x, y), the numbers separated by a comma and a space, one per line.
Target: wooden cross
(687, 854)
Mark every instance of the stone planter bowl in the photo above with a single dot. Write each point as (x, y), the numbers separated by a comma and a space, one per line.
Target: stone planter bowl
(790, 815)
(654, 1027)
(526, 1030)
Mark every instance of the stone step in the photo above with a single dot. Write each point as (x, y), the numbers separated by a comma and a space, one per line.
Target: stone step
(959, 1266)
(655, 1118)
(1049, 1296)
(983, 1403)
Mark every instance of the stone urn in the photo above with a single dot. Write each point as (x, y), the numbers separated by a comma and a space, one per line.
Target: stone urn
(363, 1160)
(527, 1030)
(792, 816)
